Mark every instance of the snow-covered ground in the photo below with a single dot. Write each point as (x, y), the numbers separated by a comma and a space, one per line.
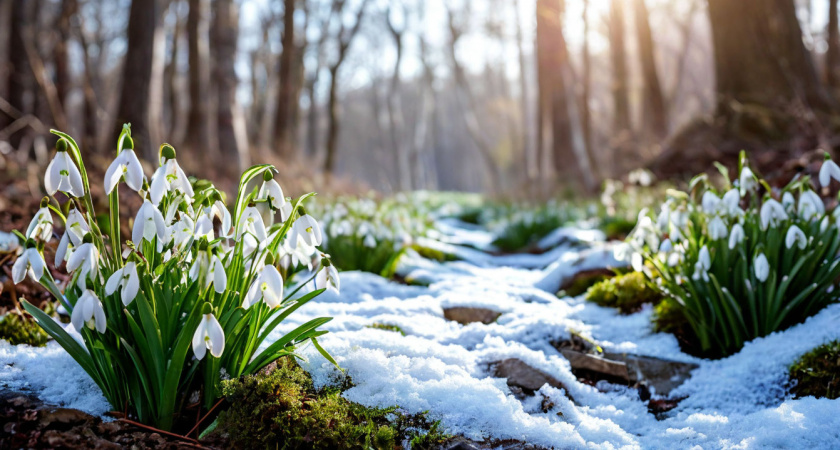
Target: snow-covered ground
(441, 366)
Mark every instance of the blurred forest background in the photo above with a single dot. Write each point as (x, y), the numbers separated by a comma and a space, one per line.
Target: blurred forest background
(498, 96)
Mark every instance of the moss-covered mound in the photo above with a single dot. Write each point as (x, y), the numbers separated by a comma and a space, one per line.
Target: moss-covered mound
(18, 327)
(626, 292)
(282, 409)
(817, 373)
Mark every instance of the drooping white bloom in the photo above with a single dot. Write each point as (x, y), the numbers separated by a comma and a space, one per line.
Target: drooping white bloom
(700, 273)
(75, 229)
(268, 286)
(307, 229)
(220, 211)
(85, 259)
(271, 191)
(88, 312)
(710, 202)
(772, 212)
(204, 227)
(251, 223)
(216, 275)
(666, 246)
(795, 236)
(63, 175)
(810, 205)
(663, 219)
(127, 279)
(731, 203)
(717, 229)
(736, 236)
(828, 171)
(747, 180)
(369, 241)
(637, 262)
(169, 177)
(327, 278)
(125, 165)
(293, 256)
(181, 232)
(41, 225)
(148, 224)
(704, 258)
(208, 336)
(29, 262)
(788, 201)
(285, 211)
(762, 267)
(201, 264)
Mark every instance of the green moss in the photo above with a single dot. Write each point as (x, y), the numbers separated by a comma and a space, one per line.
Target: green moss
(817, 373)
(582, 284)
(18, 327)
(626, 292)
(386, 327)
(283, 410)
(430, 253)
(668, 317)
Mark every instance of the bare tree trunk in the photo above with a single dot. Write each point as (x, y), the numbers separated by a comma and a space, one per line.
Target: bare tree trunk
(283, 126)
(60, 59)
(21, 86)
(345, 38)
(555, 100)
(198, 126)
(170, 74)
(531, 163)
(832, 55)
(230, 124)
(759, 54)
(655, 115)
(585, 113)
(395, 115)
(618, 57)
(135, 97)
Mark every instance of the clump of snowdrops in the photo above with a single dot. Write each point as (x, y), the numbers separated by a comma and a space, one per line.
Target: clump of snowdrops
(745, 260)
(191, 298)
(363, 234)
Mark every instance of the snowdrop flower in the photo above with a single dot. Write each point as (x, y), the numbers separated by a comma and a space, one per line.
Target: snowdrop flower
(41, 226)
(704, 258)
(29, 262)
(666, 246)
(268, 286)
(788, 201)
(251, 223)
(204, 227)
(216, 275)
(747, 180)
(271, 191)
(148, 224)
(700, 273)
(736, 236)
(182, 231)
(731, 203)
(370, 241)
(795, 236)
(327, 278)
(710, 202)
(169, 177)
(810, 205)
(662, 220)
(772, 212)
(307, 228)
(62, 173)
(125, 165)
(285, 211)
(762, 267)
(85, 259)
(674, 259)
(127, 279)
(201, 264)
(637, 262)
(717, 229)
(220, 211)
(208, 336)
(88, 312)
(828, 171)
(298, 255)
(75, 229)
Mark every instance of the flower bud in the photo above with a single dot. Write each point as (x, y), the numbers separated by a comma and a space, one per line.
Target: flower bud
(268, 175)
(127, 143)
(167, 151)
(61, 145)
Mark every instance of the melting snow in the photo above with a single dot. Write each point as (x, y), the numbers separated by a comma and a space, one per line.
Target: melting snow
(441, 366)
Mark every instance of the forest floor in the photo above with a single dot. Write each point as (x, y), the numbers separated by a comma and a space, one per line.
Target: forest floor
(479, 343)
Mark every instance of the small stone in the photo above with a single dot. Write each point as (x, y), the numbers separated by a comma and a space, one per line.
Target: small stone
(63, 415)
(467, 315)
(524, 376)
